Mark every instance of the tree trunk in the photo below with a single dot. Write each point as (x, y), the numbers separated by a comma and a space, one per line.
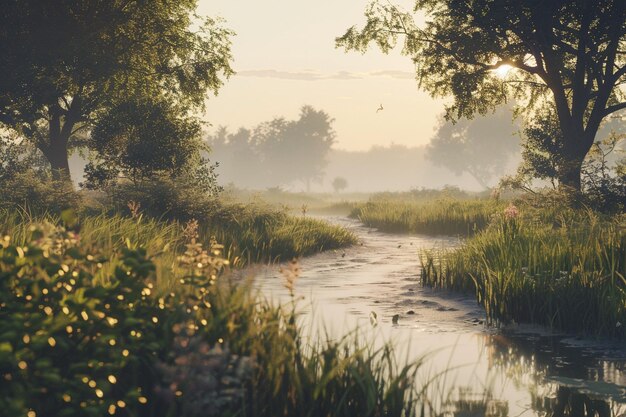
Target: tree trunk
(569, 173)
(576, 145)
(57, 155)
(478, 178)
(58, 138)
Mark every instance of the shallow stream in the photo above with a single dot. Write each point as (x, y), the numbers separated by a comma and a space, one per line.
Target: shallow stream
(523, 371)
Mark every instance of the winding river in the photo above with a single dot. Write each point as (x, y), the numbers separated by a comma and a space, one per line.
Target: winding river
(477, 370)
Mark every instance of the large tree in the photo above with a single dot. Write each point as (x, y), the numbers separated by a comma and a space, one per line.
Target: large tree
(64, 63)
(568, 55)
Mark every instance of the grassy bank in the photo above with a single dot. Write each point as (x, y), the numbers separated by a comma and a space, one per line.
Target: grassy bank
(196, 346)
(259, 233)
(436, 217)
(548, 266)
(249, 233)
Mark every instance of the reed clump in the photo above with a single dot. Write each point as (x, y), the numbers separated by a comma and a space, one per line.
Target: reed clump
(562, 268)
(259, 233)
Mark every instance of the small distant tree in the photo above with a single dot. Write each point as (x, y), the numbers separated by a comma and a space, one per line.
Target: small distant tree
(340, 184)
(239, 157)
(296, 150)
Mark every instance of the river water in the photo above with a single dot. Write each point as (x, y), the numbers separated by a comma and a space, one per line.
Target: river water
(475, 369)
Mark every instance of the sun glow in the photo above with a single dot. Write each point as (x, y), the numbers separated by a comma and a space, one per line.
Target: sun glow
(502, 71)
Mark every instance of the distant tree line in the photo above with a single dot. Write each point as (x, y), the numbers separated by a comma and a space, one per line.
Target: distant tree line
(277, 152)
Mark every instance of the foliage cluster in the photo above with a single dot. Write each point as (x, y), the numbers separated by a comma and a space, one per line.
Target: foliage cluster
(25, 180)
(562, 59)
(148, 140)
(604, 180)
(603, 170)
(17, 157)
(562, 268)
(161, 198)
(339, 184)
(85, 331)
(66, 65)
(38, 193)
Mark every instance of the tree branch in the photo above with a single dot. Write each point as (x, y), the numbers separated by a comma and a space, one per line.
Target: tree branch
(613, 109)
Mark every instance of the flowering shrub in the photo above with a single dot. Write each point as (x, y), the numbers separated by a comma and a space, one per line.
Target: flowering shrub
(82, 334)
(74, 341)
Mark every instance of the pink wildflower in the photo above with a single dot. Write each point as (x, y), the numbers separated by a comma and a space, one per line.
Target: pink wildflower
(511, 212)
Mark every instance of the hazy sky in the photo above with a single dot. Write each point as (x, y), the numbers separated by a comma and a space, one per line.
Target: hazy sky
(285, 57)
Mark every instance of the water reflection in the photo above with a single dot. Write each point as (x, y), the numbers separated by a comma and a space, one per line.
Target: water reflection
(566, 402)
(470, 404)
(562, 380)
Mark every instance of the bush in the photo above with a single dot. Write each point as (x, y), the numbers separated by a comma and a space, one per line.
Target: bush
(163, 198)
(57, 306)
(38, 193)
(26, 180)
(604, 181)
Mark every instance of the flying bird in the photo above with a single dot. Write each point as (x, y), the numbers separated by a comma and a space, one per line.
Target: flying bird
(380, 108)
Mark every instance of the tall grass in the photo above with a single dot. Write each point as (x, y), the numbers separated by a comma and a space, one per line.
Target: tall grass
(250, 233)
(209, 346)
(566, 271)
(439, 217)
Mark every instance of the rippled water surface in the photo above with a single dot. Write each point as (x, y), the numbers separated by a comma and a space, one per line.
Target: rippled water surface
(527, 371)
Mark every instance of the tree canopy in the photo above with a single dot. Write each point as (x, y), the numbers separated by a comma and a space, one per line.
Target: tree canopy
(278, 151)
(147, 140)
(65, 62)
(481, 147)
(565, 55)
